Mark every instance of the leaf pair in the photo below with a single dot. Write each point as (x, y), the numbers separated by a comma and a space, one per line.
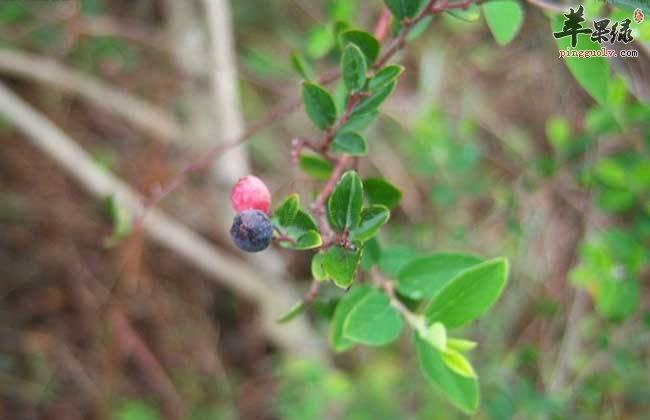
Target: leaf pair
(297, 225)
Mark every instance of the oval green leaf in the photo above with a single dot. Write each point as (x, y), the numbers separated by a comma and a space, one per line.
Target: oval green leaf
(353, 68)
(343, 309)
(341, 265)
(373, 321)
(344, 205)
(423, 277)
(351, 143)
(468, 295)
(319, 105)
(372, 219)
(382, 192)
(504, 18)
(315, 166)
(367, 43)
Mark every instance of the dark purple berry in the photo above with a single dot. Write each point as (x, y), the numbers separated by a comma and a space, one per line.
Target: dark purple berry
(252, 231)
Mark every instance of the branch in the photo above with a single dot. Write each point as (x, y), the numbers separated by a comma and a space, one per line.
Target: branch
(156, 122)
(297, 338)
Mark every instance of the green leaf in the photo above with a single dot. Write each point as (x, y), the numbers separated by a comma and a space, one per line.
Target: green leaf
(457, 362)
(367, 43)
(317, 270)
(371, 254)
(471, 14)
(120, 218)
(319, 105)
(591, 73)
(315, 166)
(504, 18)
(345, 305)
(372, 102)
(351, 143)
(380, 191)
(436, 335)
(353, 68)
(341, 264)
(287, 211)
(344, 205)
(358, 123)
(402, 9)
(302, 66)
(462, 391)
(308, 240)
(469, 295)
(295, 310)
(301, 223)
(373, 320)
(460, 345)
(384, 76)
(372, 219)
(423, 277)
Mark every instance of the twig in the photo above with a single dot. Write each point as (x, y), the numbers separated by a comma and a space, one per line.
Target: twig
(154, 121)
(296, 338)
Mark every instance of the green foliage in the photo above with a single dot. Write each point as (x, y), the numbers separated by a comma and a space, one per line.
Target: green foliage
(372, 219)
(315, 166)
(319, 105)
(337, 339)
(351, 143)
(504, 18)
(384, 77)
(136, 410)
(341, 264)
(468, 295)
(593, 73)
(287, 211)
(423, 277)
(353, 68)
(344, 205)
(381, 192)
(367, 43)
(461, 390)
(373, 321)
(402, 9)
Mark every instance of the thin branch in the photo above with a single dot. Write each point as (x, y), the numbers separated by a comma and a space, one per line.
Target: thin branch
(160, 124)
(297, 337)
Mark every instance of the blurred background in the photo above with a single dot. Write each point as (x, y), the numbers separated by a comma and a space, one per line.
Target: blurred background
(497, 150)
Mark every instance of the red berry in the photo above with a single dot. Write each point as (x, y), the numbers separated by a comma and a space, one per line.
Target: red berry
(250, 193)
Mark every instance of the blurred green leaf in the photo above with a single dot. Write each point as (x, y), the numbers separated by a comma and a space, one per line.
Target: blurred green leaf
(373, 320)
(315, 166)
(382, 192)
(372, 219)
(351, 143)
(504, 18)
(343, 309)
(353, 68)
(383, 77)
(365, 41)
(319, 105)
(462, 391)
(592, 73)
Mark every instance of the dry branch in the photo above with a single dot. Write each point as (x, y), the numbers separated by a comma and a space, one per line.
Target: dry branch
(271, 295)
(138, 112)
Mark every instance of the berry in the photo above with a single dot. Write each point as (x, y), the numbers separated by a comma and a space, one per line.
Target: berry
(251, 231)
(250, 192)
